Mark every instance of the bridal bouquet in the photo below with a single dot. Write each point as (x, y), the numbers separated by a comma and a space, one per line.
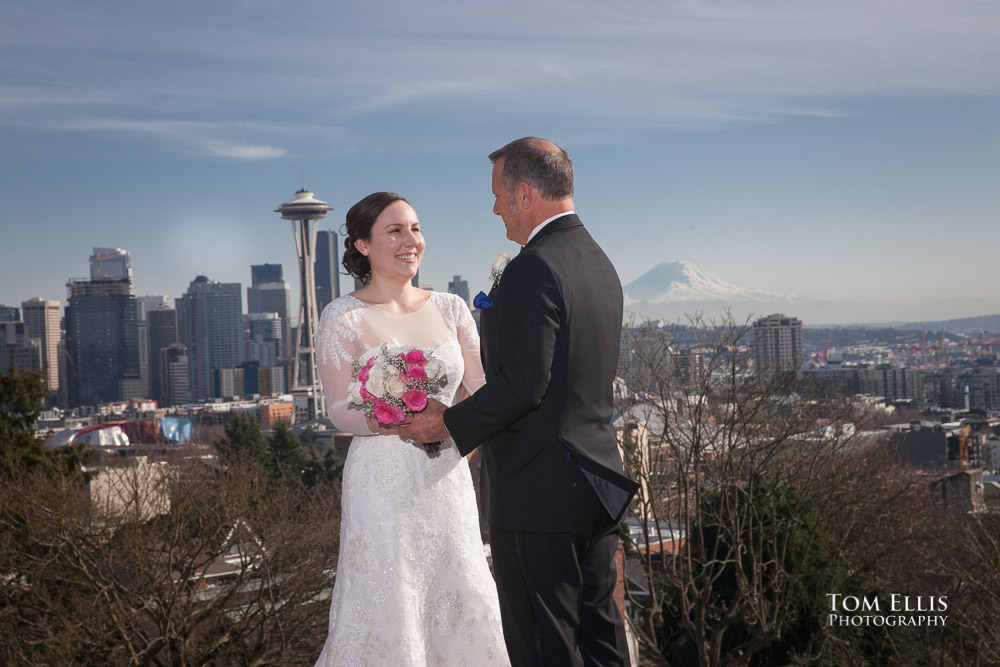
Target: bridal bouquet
(395, 383)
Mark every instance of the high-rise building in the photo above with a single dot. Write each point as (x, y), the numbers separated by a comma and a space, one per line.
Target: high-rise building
(102, 341)
(777, 344)
(9, 314)
(210, 324)
(161, 331)
(110, 264)
(266, 273)
(148, 359)
(265, 343)
(174, 364)
(12, 336)
(270, 294)
(28, 355)
(327, 269)
(459, 287)
(148, 303)
(41, 319)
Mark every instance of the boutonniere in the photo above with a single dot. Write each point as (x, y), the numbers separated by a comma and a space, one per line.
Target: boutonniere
(482, 301)
(499, 264)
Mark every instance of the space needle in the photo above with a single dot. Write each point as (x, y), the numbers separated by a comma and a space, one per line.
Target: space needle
(305, 209)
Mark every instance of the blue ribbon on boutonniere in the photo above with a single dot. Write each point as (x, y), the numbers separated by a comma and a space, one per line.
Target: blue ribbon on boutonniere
(482, 301)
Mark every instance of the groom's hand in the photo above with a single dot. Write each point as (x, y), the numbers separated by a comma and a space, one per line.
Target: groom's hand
(428, 424)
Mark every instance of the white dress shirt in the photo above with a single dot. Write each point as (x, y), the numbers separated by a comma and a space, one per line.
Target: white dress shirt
(537, 229)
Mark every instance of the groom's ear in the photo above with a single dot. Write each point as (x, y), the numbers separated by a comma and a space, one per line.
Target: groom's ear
(523, 195)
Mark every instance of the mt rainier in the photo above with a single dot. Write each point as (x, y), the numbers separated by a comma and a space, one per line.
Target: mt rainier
(685, 283)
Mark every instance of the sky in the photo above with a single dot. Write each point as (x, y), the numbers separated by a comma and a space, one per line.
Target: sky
(838, 151)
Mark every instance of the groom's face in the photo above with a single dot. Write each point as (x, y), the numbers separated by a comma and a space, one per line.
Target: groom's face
(505, 206)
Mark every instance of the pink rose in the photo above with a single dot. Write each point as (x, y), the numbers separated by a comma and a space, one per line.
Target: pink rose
(416, 373)
(363, 373)
(416, 356)
(387, 413)
(364, 394)
(415, 400)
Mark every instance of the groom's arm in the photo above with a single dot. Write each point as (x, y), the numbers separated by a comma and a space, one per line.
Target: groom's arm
(525, 344)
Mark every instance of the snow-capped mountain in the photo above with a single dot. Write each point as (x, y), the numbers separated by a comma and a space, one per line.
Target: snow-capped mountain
(677, 290)
(683, 282)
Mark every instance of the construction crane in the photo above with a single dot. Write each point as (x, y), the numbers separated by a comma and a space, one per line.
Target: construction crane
(100, 257)
(822, 358)
(912, 350)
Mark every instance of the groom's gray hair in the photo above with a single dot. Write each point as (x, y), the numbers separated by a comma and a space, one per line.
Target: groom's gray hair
(539, 163)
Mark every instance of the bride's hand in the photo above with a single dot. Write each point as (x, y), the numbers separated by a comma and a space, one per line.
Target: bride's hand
(378, 428)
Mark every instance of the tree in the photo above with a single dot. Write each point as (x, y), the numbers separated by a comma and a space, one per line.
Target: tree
(797, 563)
(744, 524)
(174, 562)
(282, 454)
(244, 441)
(287, 457)
(21, 396)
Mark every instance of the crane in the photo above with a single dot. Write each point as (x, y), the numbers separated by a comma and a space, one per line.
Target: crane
(914, 349)
(823, 357)
(99, 257)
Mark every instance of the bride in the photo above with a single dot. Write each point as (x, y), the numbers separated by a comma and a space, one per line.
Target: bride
(412, 585)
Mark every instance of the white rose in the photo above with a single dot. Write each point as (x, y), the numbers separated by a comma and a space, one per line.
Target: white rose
(390, 371)
(500, 263)
(375, 386)
(396, 388)
(376, 371)
(434, 369)
(354, 393)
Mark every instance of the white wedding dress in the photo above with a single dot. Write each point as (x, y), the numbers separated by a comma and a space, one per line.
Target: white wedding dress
(412, 584)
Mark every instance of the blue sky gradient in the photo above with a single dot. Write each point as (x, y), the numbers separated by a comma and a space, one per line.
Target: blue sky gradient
(842, 151)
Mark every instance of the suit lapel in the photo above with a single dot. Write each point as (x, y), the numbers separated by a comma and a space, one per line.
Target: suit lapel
(489, 318)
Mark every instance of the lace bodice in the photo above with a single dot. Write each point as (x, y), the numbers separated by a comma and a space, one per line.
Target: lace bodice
(351, 329)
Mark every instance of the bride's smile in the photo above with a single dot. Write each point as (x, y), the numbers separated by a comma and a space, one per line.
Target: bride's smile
(396, 245)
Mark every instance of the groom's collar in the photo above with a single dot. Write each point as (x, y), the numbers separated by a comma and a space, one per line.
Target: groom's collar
(558, 221)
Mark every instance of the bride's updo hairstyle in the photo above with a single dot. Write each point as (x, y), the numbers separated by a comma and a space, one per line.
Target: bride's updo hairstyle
(359, 223)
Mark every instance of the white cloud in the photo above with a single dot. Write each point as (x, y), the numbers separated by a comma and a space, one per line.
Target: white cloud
(645, 64)
(188, 136)
(244, 151)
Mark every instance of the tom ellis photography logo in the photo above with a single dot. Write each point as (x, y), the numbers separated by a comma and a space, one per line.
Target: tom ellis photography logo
(894, 610)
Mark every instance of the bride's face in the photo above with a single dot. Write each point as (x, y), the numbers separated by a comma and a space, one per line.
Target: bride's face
(396, 245)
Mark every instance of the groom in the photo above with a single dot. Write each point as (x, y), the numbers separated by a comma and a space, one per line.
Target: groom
(552, 485)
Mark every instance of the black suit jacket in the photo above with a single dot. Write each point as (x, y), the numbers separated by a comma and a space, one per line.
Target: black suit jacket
(550, 350)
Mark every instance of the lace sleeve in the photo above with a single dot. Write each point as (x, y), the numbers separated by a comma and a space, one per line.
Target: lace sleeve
(337, 345)
(468, 340)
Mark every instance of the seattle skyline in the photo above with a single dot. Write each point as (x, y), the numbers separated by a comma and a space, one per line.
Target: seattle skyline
(838, 153)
